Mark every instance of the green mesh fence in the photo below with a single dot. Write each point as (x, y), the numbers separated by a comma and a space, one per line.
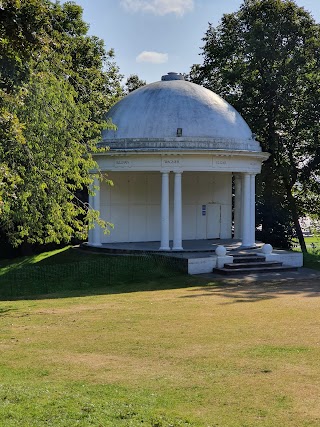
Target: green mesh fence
(90, 273)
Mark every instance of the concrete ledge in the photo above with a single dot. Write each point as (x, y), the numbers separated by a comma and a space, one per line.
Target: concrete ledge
(291, 258)
(222, 260)
(207, 264)
(295, 259)
(201, 265)
(271, 257)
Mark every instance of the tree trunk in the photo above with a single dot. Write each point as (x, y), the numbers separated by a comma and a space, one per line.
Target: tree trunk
(268, 194)
(295, 217)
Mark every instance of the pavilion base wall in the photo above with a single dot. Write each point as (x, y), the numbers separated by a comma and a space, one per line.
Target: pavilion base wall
(294, 259)
(206, 265)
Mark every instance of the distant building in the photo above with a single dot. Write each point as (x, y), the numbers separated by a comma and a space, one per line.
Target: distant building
(173, 159)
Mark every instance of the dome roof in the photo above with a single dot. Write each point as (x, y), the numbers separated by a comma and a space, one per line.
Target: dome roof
(177, 111)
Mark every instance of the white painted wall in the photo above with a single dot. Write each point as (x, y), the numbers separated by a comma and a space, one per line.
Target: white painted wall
(211, 191)
(133, 206)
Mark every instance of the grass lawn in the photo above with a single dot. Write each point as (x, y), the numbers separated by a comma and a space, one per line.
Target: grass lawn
(167, 352)
(312, 258)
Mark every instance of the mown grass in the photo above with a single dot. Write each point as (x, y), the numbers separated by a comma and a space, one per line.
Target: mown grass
(168, 351)
(312, 258)
(70, 269)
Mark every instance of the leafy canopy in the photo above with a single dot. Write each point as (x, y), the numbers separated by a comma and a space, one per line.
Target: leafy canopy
(264, 59)
(133, 82)
(56, 83)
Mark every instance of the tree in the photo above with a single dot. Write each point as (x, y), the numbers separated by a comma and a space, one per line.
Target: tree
(20, 37)
(133, 82)
(264, 59)
(56, 85)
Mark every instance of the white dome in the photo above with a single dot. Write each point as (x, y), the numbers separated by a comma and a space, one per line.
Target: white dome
(156, 112)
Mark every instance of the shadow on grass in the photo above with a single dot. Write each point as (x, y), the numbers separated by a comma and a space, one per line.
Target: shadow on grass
(312, 260)
(258, 291)
(72, 272)
(176, 282)
(69, 272)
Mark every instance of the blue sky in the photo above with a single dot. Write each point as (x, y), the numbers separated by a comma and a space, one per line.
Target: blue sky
(152, 37)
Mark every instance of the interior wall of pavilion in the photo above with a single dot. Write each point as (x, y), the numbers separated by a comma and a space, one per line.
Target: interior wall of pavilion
(133, 205)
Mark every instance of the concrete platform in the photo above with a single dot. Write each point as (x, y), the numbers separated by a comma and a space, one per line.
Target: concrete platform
(198, 256)
(201, 245)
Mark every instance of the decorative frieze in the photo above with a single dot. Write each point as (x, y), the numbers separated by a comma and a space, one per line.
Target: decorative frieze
(182, 162)
(171, 162)
(122, 163)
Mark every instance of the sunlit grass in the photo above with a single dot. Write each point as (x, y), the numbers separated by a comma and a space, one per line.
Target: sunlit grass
(9, 265)
(168, 350)
(312, 258)
(163, 354)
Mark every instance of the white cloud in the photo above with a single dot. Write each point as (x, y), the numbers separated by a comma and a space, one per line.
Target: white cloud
(153, 57)
(159, 7)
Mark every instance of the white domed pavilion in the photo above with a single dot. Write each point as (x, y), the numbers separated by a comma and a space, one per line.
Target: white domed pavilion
(172, 159)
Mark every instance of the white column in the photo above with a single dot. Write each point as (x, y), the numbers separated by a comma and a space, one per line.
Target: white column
(177, 213)
(253, 208)
(246, 211)
(164, 246)
(94, 238)
(237, 206)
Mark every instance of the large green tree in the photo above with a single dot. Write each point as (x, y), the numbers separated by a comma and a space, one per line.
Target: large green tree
(133, 82)
(265, 60)
(56, 83)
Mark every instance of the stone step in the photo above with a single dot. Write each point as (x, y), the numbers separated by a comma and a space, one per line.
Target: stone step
(253, 270)
(248, 258)
(237, 265)
(241, 254)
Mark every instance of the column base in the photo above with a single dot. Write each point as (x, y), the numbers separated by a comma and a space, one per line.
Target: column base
(163, 248)
(178, 249)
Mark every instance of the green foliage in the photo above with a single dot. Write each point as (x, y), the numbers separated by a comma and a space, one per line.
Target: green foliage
(133, 82)
(22, 29)
(264, 59)
(56, 85)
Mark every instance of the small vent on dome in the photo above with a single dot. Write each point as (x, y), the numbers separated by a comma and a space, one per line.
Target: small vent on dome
(172, 76)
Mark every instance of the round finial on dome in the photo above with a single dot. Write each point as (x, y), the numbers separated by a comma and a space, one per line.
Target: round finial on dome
(221, 250)
(172, 76)
(267, 249)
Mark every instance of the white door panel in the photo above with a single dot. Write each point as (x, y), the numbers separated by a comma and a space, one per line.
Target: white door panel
(213, 221)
